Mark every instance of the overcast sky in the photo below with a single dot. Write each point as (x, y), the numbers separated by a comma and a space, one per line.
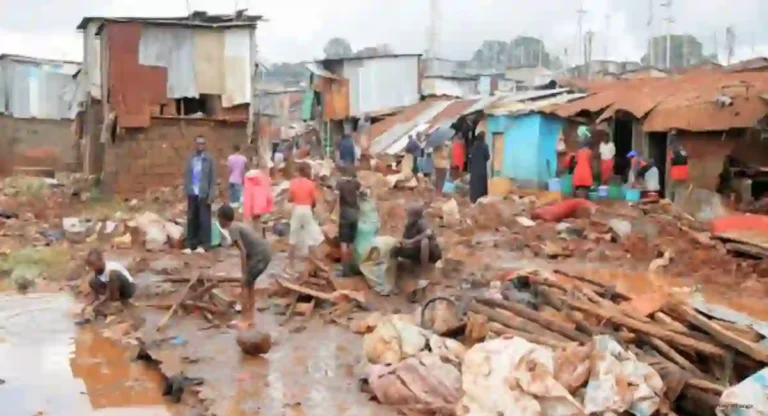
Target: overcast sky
(298, 29)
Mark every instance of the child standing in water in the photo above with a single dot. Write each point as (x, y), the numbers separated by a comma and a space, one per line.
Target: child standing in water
(111, 282)
(255, 255)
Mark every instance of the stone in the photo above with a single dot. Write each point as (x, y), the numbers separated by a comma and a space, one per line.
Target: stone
(24, 277)
(254, 342)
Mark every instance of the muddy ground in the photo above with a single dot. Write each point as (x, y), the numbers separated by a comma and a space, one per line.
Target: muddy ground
(315, 364)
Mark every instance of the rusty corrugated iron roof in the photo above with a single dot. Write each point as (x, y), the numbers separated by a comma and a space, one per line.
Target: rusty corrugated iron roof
(684, 102)
(195, 19)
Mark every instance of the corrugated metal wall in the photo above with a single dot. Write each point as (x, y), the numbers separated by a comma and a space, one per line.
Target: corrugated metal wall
(35, 90)
(450, 87)
(382, 83)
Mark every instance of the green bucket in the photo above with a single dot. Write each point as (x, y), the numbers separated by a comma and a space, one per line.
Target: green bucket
(566, 185)
(615, 192)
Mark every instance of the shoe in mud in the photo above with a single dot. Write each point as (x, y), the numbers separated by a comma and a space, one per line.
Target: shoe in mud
(186, 251)
(200, 250)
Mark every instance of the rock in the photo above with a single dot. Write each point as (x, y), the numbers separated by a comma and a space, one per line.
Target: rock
(525, 221)
(124, 241)
(175, 234)
(254, 342)
(451, 213)
(620, 228)
(76, 230)
(153, 228)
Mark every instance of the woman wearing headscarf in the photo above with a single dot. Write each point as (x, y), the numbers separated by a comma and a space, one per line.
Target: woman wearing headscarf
(478, 168)
(582, 173)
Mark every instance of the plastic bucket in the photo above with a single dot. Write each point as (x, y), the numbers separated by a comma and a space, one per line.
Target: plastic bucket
(615, 193)
(566, 185)
(632, 195)
(553, 185)
(602, 192)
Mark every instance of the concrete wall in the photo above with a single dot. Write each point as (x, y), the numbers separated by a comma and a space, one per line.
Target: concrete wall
(37, 143)
(143, 159)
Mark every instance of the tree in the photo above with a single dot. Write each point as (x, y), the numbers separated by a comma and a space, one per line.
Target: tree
(337, 48)
(492, 54)
(378, 50)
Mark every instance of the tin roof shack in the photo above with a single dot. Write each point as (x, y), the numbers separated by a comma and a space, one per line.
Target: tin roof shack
(449, 86)
(35, 114)
(153, 84)
(347, 89)
(283, 108)
(715, 113)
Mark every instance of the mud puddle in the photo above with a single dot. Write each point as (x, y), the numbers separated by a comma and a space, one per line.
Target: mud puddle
(50, 368)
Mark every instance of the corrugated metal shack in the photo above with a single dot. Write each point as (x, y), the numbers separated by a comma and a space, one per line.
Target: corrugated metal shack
(449, 86)
(167, 80)
(714, 112)
(348, 89)
(35, 87)
(36, 113)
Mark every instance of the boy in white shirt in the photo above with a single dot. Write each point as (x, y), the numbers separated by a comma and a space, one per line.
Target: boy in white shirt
(111, 280)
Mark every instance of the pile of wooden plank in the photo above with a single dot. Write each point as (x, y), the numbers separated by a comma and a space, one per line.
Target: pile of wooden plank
(201, 294)
(679, 342)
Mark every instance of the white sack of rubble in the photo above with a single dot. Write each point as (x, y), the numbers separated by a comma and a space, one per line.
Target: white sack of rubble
(748, 398)
(619, 382)
(396, 339)
(153, 228)
(513, 377)
(422, 382)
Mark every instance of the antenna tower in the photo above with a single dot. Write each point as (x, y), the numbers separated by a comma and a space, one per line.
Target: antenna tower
(669, 20)
(580, 16)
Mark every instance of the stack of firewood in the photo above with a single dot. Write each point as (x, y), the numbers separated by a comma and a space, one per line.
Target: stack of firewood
(671, 336)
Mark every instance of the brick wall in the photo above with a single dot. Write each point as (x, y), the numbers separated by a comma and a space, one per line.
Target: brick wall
(143, 159)
(37, 143)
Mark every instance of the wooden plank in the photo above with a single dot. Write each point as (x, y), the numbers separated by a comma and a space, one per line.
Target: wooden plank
(497, 328)
(175, 306)
(511, 321)
(650, 329)
(533, 316)
(755, 351)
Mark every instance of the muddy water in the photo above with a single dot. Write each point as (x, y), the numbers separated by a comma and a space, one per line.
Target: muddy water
(49, 368)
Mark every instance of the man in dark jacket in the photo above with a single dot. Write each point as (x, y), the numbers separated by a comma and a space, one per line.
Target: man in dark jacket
(200, 187)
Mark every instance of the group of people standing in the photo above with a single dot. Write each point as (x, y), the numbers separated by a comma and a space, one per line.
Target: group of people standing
(643, 173)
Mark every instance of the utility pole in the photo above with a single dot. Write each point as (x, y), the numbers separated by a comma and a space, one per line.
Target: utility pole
(607, 34)
(580, 16)
(433, 32)
(651, 45)
(669, 20)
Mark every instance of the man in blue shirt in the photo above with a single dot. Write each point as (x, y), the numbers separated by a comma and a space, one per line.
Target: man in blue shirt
(347, 151)
(200, 187)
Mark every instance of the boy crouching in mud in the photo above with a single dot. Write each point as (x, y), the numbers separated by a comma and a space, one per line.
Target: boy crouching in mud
(111, 280)
(255, 255)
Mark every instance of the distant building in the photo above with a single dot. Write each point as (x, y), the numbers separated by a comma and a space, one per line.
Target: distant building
(347, 89)
(153, 84)
(685, 50)
(449, 86)
(35, 113)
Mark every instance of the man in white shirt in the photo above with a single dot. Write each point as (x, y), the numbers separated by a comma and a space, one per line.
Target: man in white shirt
(607, 154)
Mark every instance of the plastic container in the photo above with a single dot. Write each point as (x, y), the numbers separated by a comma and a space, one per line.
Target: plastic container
(449, 187)
(615, 192)
(594, 196)
(632, 195)
(553, 185)
(367, 229)
(602, 192)
(566, 185)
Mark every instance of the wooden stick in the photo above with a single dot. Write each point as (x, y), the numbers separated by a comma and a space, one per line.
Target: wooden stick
(184, 279)
(338, 296)
(176, 305)
(536, 339)
(546, 322)
(667, 352)
(511, 321)
(650, 329)
(726, 337)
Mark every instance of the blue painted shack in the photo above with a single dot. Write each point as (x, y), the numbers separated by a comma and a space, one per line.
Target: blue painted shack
(523, 147)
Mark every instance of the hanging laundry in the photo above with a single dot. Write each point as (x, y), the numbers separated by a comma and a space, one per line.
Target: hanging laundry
(172, 48)
(209, 61)
(237, 73)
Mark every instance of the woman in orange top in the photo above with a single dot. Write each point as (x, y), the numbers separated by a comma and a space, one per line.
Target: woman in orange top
(302, 193)
(582, 174)
(458, 155)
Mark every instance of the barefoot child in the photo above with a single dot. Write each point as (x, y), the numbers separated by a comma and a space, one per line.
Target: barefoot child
(255, 256)
(111, 280)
